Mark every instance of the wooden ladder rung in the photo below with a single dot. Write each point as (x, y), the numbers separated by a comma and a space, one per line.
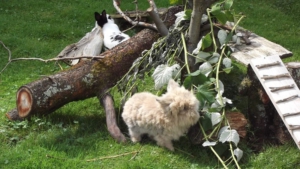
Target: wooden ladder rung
(294, 127)
(267, 65)
(275, 76)
(290, 114)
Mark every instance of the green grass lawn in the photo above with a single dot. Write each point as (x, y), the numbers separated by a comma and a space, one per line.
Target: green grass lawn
(77, 132)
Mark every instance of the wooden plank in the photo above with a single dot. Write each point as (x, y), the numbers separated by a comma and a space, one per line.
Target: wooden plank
(287, 100)
(259, 47)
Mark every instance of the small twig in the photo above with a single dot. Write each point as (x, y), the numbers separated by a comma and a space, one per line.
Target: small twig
(290, 114)
(268, 64)
(130, 27)
(275, 76)
(133, 157)
(274, 89)
(9, 57)
(287, 99)
(9, 52)
(116, 5)
(114, 156)
(51, 60)
(137, 15)
(185, 152)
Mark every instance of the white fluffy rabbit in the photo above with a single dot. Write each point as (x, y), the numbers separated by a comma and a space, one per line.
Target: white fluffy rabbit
(164, 118)
(111, 32)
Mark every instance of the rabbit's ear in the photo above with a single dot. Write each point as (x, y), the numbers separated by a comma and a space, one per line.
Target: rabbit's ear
(97, 16)
(165, 104)
(104, 14)
(172, 85)
(101, 19)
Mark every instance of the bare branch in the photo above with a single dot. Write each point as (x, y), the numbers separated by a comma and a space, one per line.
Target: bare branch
(116, 5)
(9, 57)
(49, 60)
(9, 52)
(161, 27)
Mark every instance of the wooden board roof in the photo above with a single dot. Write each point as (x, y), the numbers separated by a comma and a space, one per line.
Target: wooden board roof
(259, 47)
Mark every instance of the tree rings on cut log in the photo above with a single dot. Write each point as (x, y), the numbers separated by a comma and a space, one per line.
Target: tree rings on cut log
(24, 102)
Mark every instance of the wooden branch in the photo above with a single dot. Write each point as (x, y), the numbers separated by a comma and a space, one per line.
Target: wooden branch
(199, 8)
(161, 27)
(108, 104)
(144, 24)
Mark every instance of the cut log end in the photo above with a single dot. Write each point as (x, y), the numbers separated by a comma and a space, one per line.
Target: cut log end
(24, 102)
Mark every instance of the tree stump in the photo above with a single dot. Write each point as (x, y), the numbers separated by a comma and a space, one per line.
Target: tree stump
(265, 123)
(294, 69)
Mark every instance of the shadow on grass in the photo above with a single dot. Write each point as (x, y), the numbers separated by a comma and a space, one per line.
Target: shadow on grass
(85, 135)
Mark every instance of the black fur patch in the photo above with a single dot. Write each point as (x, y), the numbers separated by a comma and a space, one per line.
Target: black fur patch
(119, 38)
(101, 18)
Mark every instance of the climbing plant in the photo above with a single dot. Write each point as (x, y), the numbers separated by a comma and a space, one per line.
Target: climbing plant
(168, 58)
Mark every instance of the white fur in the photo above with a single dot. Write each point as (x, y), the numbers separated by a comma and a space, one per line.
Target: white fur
(110, 31)
(164, 118)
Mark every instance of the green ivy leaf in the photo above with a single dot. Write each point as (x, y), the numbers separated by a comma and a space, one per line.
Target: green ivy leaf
(205, 94)
(216, 8)
(187, 83)
(205, 122)
(228, 4)
(196, 78)
(188, 14)
(196, 73)
(227, 70)
(201, 57)
(222, 16)
(207, 41)
(229, 37)
(215, 109)
(221, 148)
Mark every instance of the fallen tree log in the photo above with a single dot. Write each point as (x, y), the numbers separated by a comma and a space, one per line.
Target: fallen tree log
(85, 80)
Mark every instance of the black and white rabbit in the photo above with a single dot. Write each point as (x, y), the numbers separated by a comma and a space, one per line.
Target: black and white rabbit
(111, 32)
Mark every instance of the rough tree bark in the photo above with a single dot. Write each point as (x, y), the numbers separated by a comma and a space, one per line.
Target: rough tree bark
(199, 8)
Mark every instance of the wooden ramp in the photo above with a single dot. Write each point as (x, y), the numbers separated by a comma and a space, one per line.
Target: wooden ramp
(282, 90)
